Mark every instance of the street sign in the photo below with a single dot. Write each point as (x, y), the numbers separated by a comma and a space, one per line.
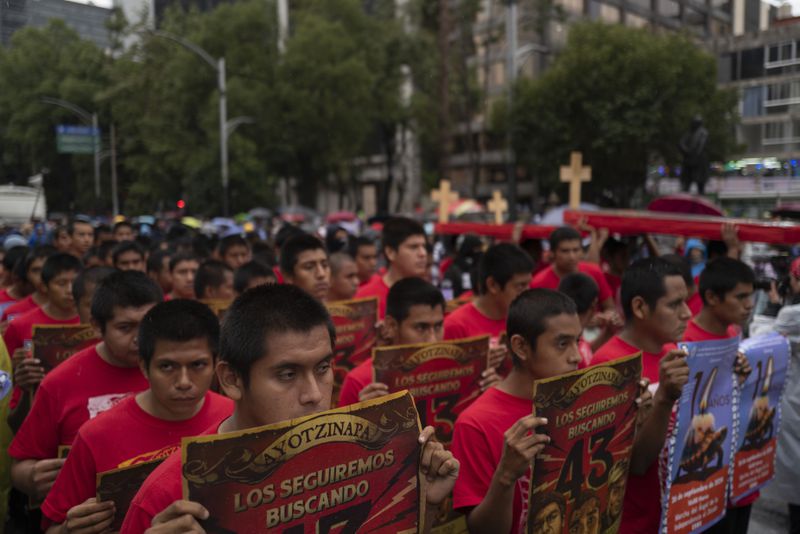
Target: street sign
(77, 139)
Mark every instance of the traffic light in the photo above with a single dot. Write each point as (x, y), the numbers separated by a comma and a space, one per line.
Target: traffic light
(181, 204)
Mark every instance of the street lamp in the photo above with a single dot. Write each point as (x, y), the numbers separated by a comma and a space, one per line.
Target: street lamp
(87, 118)
(219, 66)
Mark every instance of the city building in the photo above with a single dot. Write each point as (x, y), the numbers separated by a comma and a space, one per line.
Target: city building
(87, 19)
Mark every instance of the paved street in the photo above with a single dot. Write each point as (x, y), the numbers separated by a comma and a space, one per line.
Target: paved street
(769, 515)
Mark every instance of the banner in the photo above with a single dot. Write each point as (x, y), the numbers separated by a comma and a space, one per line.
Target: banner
(121, 486)
(53, 344)
(699, 447)
(578, 481)
(759, 413)
(356, 334)
(351, 469)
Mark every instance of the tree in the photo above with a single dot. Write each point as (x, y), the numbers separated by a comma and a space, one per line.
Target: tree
(623, 97)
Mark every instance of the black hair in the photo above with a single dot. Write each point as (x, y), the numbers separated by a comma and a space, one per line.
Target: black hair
(410, 292)
(126, 246)
(563, 233)
(398, 229)
(529, 312)
(248, 271)
(178, 320)
(155, 261)
(354, 243)
(645, 278)
(502, 262)
(293, 247)
(683, 265)
(59, 263)
(105, 248)
(14, 255)
(123, 289)
(286, 232)
(722, 276)
(60, 229)
(22, 266)
(716, 249)
(120, 224)
(262, 312)
(264, 253)
(210, 273)
(177, 258)
(90, 276)
(581, 288)
(102, 228)
(612, 247)
(231, 241)
(543, 500)
(332, 244)
(78, 220)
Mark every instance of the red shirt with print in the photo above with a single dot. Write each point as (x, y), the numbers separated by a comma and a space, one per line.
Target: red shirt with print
(123, 436)
(76, 391)
(376, 287)
(548, 279)
(478, 445)
(468, 321)
(19, 308)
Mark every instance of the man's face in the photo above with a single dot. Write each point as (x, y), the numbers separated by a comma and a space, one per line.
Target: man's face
(121, 331)
(410, 258)
(344, 283)
(62, 242)
(548, 520)
(556, 351)
(236, 256)
(183, 279)
(366, 261)
(667, 321)
(85, 303)
(34, 274)
(293, 379)
(130, 261)
(506, 295)
(123, 233)
(223, 292)
(180, 374)
(312, 273)
(737, 305)
(567, 255)
(616, 493)
(82, 237)
(59, 292)
(586, 519)
(424, 324)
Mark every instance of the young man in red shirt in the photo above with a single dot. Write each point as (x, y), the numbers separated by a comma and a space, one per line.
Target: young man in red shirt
(178, 342)
(182, 270)
(81, 236)
(567, 255)
(234, 251)
(129, 256)
(504, 271)
(403, 242)
(87, 384)
(365, 253)
(304, 263)
(30, 271)
(17, 289)
(276, 348)
(214, 281)
(653, 297)
(582, 289)
(344, 277)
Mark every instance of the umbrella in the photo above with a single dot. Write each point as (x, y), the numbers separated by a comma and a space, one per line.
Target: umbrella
(683, 203)
(297, 214)
(465, 206)
(341, 216)
(555, 216)
(191, 222)
(260, 213)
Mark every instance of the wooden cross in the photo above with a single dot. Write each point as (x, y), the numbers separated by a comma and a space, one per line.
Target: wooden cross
(575, 174)
(445, 197)
(498, 206)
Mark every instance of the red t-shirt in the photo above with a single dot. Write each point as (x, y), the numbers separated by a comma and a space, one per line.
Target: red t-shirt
(375, 288)
(19, 308)
(468, 321)
(586, 353)
(162, 488)
(478, 445)
(123, 436)
(641, 510)
(615, 285)
(6, 299)
(356, 380)
(79, 389)
(548, 279)
(21, 329)
(695, 303)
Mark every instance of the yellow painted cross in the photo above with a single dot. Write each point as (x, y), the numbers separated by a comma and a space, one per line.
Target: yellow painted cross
(445, 197)
(498, 206)
(575, 174)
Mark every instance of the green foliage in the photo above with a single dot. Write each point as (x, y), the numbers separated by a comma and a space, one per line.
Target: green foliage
(623, 97)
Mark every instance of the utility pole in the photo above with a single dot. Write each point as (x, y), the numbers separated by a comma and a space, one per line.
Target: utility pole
(444, 87)
(511, 76)
(114, 192)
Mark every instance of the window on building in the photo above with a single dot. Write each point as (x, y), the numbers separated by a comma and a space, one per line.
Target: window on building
(752, 63)
(781, 54)
(776, 133)
(753, 102)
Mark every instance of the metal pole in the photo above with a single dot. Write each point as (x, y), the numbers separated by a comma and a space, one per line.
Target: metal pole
(96, 135)
(114, 193)
(223, 134)
(283, 25)
(511, 76)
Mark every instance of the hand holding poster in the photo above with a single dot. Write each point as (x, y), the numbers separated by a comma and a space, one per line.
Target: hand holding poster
(356, 334)
(759, 413)
(53, 344)
(444, 378)
(121, 485)
(699, 448)
(578, 481)
(351, 469)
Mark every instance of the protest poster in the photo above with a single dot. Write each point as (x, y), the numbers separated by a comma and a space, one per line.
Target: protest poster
(121, 485)
(759, 413)
(356, 334)
(218, 306)
(350, 469)
(444, 378)
(699, 446)
(578, 481)
(53, 344)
